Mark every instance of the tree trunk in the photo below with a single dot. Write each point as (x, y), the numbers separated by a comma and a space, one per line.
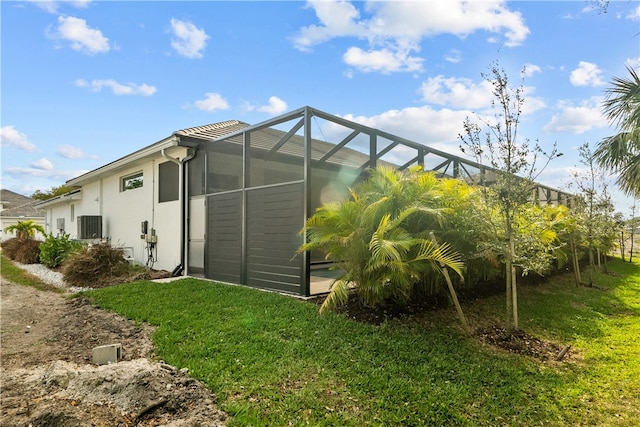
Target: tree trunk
(452, 291)
(592, 265)
(574, 260)
(509, 290)
(514, 282)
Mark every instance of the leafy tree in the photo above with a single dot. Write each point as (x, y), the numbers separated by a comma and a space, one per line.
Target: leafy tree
(621, 152)
(514, 163)
(25, 229)
(594, 208)
(379, 239)
(53, 192)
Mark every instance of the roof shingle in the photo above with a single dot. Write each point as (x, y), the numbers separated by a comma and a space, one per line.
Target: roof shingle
(17, 205)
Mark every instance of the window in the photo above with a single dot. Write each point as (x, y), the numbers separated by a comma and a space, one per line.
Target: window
(169, 182)
(131, 181)
(73, 212)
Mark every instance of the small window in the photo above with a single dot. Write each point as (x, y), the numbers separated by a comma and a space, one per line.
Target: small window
(169, 182)
(131, 182)
(73, 212)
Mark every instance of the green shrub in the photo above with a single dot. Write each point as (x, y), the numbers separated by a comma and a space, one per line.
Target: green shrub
(95, 266)
(24, 251)
(55, 250)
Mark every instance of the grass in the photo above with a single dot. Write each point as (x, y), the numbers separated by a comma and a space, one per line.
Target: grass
(15, 274)
(274, 361)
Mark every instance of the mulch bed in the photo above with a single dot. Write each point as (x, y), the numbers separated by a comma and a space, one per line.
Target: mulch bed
(518, 342)
(492, 334)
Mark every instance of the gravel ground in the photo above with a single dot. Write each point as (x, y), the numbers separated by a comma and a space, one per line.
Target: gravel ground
(49, 276)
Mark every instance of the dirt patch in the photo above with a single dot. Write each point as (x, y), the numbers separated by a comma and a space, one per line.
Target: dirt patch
(521, 342)
(46, 344)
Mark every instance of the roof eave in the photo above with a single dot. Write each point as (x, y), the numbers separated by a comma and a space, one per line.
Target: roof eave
(148, 151)
(66, 197)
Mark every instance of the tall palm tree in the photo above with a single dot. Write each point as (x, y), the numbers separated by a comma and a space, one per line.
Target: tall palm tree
(621, 152)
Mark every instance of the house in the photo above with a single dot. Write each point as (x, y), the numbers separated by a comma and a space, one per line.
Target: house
(15, 207)
(227, 201)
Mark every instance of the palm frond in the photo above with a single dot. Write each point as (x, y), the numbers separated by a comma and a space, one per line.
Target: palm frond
(338, 296)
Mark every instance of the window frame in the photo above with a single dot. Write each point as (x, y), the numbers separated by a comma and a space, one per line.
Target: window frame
(131, 177)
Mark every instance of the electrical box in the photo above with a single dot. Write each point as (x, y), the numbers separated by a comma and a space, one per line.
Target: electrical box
(60, 224)
(90, 227)
(152, 238)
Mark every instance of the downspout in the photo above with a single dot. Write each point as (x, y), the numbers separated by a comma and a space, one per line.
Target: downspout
(184, 208)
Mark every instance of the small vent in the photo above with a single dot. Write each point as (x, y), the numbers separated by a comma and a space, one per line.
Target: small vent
(60, 224)
(89, 227)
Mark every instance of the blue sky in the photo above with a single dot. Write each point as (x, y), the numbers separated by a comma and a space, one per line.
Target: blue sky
(86, 82)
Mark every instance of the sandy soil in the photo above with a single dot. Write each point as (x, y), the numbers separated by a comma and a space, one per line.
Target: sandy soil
(47, 378)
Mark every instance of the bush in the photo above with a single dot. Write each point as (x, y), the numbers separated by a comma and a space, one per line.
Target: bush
(55, 250)
(10, 247)
(95, 266)
(24, 251)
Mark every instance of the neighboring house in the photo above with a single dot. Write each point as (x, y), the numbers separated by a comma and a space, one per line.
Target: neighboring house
(15, 207)
(227, 201)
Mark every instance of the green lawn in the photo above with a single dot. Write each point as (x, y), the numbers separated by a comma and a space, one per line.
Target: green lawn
(274, 361)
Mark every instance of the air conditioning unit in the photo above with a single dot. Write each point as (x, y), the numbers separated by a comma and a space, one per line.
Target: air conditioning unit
(89, 227)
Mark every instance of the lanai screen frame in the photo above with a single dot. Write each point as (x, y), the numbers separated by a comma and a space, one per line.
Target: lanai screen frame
(445, 164)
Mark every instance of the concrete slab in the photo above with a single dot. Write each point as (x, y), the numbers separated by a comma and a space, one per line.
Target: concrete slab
(106, 354)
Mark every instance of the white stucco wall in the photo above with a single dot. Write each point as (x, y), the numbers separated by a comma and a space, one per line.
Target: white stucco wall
(62, 211)
(123, 212)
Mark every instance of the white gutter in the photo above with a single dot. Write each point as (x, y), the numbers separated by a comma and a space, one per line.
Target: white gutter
(185, 204)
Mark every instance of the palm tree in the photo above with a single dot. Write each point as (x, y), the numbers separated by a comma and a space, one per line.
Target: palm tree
(621, 152)
(372, 238)
(25, 229)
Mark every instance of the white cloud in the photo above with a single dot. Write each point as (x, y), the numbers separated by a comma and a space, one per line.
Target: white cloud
(531, 103)
(456, 92)
(394, 30)
(117, 88)
(383, 60)
(53, 6)
(531, 69)
(421, 124)
(411, 21)
(37, 171)
(578, 119)
(42, 164)
(212, 102)
(634, 15)
(276, 106)
(10, 137)
(454, 56)
(189, 40)
(633, 63)
(337, 19)
(587, 74)
(71, 152)
(82, 38)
